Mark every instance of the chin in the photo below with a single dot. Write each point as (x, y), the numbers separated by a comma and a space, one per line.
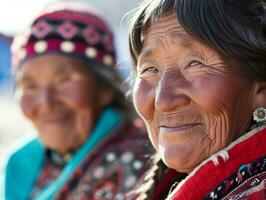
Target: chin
(56, 141)
(56, 145)
(177, 161)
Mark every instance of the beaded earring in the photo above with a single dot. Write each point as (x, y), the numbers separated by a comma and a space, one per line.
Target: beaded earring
(259, 115)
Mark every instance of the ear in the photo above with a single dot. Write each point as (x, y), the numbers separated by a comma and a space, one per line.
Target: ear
(260, 96)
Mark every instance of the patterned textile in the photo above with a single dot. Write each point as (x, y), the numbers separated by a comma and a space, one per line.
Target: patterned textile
(110, 170)
(79, 33)
(49, 173)
(251, 176)
(27, 161)
(237, 172)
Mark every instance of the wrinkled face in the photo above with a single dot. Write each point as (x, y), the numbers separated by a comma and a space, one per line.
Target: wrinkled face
(192, 103)
(61, 99)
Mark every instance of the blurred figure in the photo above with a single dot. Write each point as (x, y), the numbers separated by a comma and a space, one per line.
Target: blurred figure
(88, 146)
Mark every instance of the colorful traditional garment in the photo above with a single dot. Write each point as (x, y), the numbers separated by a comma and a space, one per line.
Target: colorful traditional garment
(105, 167)
(235, 173)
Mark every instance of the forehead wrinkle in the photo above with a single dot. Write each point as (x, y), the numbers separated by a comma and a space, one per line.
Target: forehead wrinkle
(163, 34)
(164, 42)
(175, 32)
(165, 39)
(167, 25)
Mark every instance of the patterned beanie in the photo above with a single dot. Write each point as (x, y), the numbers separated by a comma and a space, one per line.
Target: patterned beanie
(70, 31)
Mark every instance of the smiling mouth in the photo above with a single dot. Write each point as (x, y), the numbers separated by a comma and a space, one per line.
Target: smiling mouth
(56, 119)
(180, 128)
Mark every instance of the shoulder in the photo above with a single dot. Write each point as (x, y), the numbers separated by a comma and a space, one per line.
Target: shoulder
(239, 169)
(247, 163)
(25, 149)
(21, 167)
(115, 164)
(248, 182)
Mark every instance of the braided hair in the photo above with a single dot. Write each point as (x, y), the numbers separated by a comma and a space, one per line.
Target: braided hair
(153, 177)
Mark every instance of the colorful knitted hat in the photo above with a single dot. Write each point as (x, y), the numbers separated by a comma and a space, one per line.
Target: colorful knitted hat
(69, 31)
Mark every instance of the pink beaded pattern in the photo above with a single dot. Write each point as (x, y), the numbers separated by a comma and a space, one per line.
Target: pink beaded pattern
(80, 34)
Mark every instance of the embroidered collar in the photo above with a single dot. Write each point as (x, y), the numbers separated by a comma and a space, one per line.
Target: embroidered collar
(246, 149)
(58, 159)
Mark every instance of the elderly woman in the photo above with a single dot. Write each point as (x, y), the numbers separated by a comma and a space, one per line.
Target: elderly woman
(200, 86)
(87, 146)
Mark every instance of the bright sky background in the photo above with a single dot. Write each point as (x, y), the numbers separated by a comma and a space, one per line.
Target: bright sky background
(16, 14)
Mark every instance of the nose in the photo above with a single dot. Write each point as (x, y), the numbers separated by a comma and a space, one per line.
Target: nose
(169, 92)
(46, 99)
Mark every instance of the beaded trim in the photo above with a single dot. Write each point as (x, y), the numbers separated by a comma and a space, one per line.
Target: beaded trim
(71, 35)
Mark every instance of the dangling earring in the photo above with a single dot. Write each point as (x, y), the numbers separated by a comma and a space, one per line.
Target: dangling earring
(259, 115)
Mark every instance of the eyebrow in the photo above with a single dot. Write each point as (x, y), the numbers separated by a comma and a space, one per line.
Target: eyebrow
(22, 79)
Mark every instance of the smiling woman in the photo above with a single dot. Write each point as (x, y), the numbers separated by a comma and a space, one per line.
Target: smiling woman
(88, 144)
(183, 87)
(66, 98)
(200, 75)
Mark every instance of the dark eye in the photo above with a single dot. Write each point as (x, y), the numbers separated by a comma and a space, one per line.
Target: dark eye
(29, 86)
(149, 70)
(64, 79)
(194, 63)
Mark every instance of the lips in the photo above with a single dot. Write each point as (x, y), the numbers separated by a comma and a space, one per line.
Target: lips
(177, 128)
(178, 122)
(55, 118)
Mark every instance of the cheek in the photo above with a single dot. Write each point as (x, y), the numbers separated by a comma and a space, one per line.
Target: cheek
(212, 95)
(80, 97)
(27, 105)
(225, 101)
(143, 98)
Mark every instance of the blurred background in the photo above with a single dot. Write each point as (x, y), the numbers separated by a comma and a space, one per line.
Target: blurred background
(14, 16)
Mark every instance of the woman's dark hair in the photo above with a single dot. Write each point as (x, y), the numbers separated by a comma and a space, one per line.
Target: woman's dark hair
(236, 29)
(110, 79)
(152, 179)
